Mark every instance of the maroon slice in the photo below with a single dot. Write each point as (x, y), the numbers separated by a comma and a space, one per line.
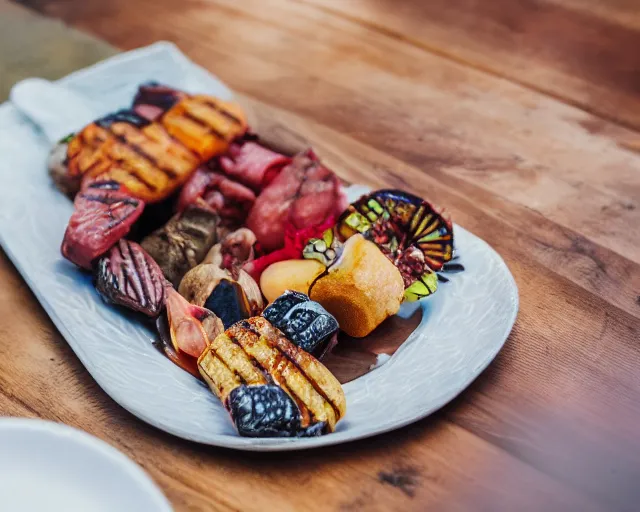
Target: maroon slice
(304, 194)
(252, 165)
(128, 276)
(154, 99)
(218, 193)
(104, 213)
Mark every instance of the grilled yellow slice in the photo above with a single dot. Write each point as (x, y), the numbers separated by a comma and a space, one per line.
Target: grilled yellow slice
(253, 352)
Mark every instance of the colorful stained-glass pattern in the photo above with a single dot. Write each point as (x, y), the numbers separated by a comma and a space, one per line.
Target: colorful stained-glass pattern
(416, 236)
(422, 287)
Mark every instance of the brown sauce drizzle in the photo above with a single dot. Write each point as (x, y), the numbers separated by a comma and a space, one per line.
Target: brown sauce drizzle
(354, 357)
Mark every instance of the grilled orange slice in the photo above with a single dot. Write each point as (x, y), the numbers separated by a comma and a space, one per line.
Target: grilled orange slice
(153, 159)
(205, 125)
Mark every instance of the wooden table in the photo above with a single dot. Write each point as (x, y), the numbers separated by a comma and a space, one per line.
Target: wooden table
(522, 117)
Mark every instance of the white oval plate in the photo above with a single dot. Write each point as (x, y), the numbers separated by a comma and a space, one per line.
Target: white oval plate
(49, 466)
(464, 325)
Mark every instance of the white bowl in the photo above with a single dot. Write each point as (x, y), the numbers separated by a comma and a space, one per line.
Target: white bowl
(53, 467)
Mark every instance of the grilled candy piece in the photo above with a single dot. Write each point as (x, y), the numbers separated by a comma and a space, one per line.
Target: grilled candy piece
(104, 213)
(128, 276)
(361, 289)
(304, 322)
(152, 158)
(254, 353)
(127, 148)
(183, 242)
(413, 234)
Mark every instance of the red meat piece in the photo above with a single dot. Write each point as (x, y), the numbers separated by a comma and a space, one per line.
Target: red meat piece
(229, 199)
(252, 164)
(304, 194)
(104, 213)
(294, 242)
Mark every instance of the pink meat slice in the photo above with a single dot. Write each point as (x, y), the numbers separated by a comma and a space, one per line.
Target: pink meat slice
(104, 213)
(253, 165)
(230, 199)
(304, 194)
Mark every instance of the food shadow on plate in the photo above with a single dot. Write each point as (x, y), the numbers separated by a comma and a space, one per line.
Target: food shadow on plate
(352, 357)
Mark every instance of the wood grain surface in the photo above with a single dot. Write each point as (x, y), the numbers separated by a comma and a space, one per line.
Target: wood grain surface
(521, 117)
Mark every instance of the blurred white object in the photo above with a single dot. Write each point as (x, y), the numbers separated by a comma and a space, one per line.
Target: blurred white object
(53, 467)
(56, 109)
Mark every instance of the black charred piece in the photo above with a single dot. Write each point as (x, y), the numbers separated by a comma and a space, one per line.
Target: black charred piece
(303, 321)
(453, 267)
(282, 305)
(267, 411)
(228, 302)
(105, 185)
(123, 116)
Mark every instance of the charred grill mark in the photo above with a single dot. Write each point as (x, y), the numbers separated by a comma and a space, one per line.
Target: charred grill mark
(306, 416)
(137, 281)
(115, 219)
(218, 385)
(227, 366)
(151, 160)
(203, 124)
(249, 327)
(97, 161)
(222, 111)
(290, 358)
(124, 165)
(110, 200)
(315, 385)
(276, 376)
(178, 142)
(253, 360)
